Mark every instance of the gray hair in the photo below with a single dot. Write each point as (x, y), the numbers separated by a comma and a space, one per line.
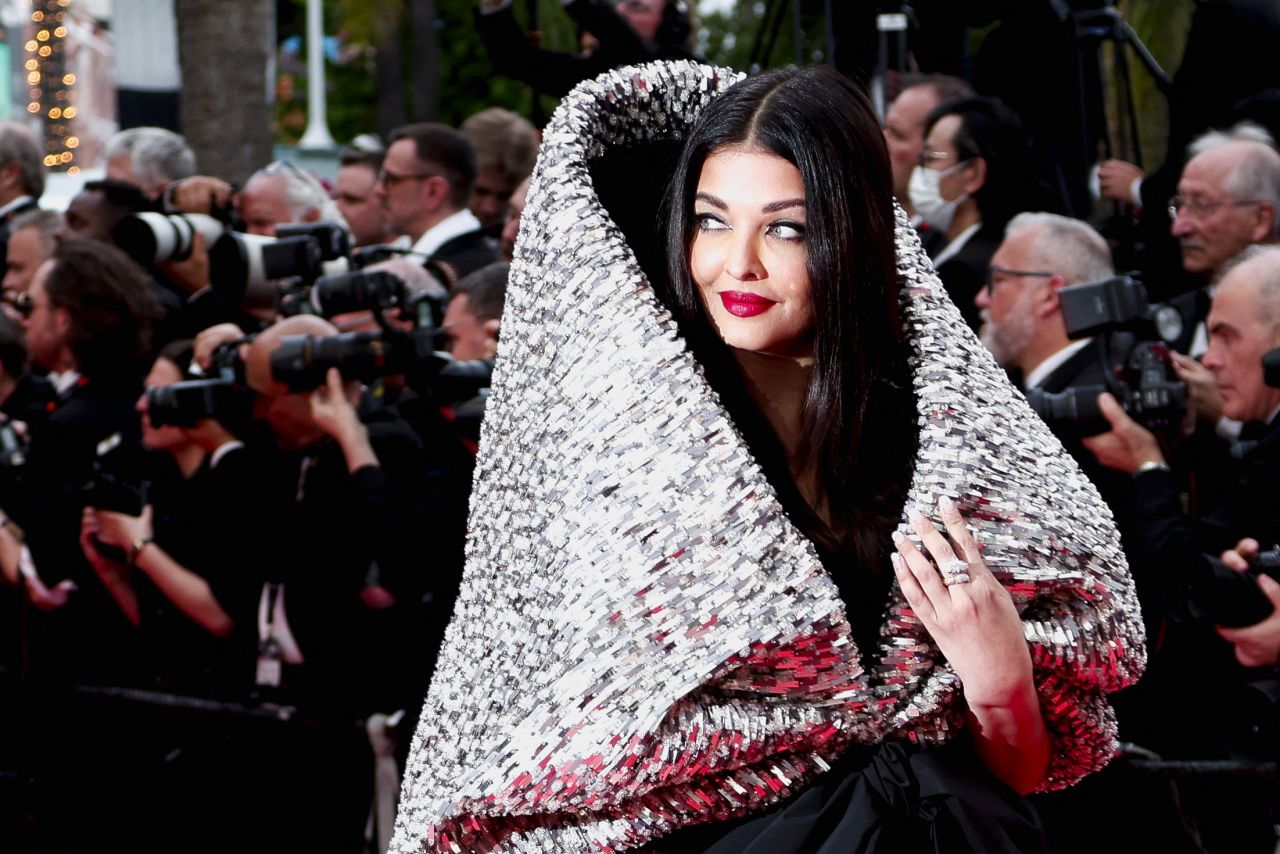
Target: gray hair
(1265, 258)
(302, 192)
(19, 145)
(45, 222)
(1240, 132)
(1066, 246)
(156, 155)
(1257, 174)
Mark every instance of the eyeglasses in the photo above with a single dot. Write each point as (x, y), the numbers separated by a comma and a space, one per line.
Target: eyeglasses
(996, 275)
(21, 302)
(925, 157)
(390, 179)
(1200, 209)
(275, 167)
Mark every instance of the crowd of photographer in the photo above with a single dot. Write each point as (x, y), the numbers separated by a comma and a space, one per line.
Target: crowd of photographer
(235, 456)
(238, 426)
(1171, 408)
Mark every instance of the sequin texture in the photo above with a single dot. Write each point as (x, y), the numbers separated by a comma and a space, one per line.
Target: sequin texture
(643, 640)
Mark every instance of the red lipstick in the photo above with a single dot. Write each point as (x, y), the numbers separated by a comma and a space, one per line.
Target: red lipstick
(743, 304)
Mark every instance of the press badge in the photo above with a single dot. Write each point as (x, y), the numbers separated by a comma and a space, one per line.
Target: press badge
(269, 665)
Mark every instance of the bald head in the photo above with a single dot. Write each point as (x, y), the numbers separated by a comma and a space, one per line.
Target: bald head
(257, 357)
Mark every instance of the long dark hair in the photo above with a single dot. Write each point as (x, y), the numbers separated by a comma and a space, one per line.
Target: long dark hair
(858, 407)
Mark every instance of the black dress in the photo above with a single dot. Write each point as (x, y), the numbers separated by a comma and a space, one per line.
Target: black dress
(889, 798)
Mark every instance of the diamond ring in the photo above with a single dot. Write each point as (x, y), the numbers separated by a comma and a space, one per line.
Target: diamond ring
(954, 571)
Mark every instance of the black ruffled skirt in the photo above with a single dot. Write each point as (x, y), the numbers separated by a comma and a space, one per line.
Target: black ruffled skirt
(892, 798)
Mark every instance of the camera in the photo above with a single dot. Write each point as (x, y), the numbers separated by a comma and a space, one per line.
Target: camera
(244, 266)
(367, 256)
(224, 395)
(112, 484)
(150, 238)
(302, 361)
(334, 240)
(1221, 596)
(248, 266)
(1131, 340)
(365, 290)
(186, 404)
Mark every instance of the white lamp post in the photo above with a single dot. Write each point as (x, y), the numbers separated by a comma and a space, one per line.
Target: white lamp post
(317, 134)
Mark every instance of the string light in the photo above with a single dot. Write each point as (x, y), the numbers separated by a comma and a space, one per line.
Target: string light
(51, 95)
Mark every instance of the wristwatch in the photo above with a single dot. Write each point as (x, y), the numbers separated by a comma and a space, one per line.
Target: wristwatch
(136, 548)
(1152, 465)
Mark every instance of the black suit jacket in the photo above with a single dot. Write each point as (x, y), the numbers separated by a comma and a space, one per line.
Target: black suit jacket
(88, 639)
(462, 255)
(964, 274)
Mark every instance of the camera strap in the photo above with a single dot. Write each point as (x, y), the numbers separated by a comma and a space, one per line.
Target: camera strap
(276, 644)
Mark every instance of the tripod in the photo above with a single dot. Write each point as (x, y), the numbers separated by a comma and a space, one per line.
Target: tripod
(1090, 29)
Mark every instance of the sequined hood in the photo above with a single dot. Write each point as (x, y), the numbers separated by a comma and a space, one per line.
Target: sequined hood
(643, 640)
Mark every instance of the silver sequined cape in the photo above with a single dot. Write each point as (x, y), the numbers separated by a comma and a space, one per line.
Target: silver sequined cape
(643, 640)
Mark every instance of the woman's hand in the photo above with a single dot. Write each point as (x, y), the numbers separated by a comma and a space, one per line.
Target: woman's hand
(974, 622)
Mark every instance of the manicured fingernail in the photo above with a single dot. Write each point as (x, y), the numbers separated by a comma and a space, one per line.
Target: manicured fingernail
(946, 504)
(898, 537)
(915, 517)
(896, 560)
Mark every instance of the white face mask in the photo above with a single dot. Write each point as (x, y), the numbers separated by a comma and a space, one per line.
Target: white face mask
(927, 199)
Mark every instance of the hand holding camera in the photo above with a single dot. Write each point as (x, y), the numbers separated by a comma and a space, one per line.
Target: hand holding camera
(1256, 645)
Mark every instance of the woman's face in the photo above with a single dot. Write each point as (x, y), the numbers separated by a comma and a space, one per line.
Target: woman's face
(748, 256)
(163, 373)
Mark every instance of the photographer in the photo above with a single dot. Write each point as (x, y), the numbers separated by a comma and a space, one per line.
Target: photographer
(178, 579)
(1023, 326)
(150, 158)
(340, 496)
(1243, 323)
(31, 241)
(89, 327)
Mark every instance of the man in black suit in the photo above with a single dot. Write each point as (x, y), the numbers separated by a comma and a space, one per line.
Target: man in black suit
(425, 186)
(89, 328)
(1022, 321)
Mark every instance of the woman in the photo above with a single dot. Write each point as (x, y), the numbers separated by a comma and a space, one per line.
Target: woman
(678, 606)
(176, 581)
(974, 174)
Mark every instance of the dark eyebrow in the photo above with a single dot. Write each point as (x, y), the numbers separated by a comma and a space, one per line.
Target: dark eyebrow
(711, 200)
(774, 207)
